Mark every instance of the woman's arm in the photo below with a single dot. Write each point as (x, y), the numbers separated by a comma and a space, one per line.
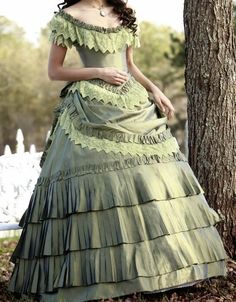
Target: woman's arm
(160, 99)
(57, 72)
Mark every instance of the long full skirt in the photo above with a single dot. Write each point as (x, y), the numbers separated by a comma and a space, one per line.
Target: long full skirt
(117, 208)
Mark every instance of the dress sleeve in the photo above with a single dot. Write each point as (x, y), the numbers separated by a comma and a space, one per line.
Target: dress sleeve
(58, 32)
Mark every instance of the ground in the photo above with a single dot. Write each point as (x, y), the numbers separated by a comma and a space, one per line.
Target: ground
(219, 289)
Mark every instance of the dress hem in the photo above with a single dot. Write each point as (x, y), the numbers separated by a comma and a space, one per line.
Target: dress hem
(147, 285)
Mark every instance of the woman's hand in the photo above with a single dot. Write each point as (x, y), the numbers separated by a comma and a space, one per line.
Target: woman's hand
(113, 75)
(163, 103)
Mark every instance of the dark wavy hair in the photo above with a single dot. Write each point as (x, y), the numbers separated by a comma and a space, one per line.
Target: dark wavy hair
(126, 14)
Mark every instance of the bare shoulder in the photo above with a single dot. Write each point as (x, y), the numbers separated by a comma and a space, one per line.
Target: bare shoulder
(74, 10)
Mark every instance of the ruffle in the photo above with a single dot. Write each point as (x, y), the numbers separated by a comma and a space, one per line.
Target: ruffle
(169, 146)
(106, 132)
(74, 118)
(66, 193)
(68, 31)
(118, 263)
(112, 165)
(129, 95)
(83, 231)
(122, 136)
(186, 276)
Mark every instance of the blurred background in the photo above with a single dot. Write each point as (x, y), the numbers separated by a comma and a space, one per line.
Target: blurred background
(28, 97)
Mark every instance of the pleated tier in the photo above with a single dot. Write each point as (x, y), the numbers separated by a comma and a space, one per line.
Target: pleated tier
(119, 262)
(105, 234)
(108, 222)
(158, 283)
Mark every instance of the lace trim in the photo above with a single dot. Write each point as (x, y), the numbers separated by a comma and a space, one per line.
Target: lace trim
(167, 147)
(68, 31)
(110, 133)
(129, 95)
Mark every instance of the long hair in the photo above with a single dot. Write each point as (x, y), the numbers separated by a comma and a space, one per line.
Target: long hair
(125, 14)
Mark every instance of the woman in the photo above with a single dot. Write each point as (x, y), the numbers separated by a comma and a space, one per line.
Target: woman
(116, 208)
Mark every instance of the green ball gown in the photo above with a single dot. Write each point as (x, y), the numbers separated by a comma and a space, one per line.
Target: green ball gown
(116, 208)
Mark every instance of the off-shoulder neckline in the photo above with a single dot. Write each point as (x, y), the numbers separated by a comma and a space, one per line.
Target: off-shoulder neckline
(83, 24)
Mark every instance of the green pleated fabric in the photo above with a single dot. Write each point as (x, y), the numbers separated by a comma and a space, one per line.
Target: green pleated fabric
(116, 208)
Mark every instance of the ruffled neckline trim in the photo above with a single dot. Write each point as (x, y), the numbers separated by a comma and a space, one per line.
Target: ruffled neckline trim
(68, 31)
(85, 25)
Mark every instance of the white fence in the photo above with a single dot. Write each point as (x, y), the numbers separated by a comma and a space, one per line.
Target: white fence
(18, 175)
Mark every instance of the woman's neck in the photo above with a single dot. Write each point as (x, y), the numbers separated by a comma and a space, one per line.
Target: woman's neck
(97, 3)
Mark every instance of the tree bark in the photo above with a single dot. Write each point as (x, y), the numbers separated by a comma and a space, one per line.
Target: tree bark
(210, 83)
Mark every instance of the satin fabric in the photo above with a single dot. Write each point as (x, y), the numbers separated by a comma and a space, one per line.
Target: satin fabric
(116, 208)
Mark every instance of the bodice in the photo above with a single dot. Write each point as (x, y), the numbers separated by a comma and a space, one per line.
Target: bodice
(92, 58)
(99, 47)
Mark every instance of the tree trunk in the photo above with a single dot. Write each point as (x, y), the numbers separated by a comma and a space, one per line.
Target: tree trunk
(210, 82)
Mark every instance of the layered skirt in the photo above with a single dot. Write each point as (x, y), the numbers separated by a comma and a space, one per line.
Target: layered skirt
(116, 208)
